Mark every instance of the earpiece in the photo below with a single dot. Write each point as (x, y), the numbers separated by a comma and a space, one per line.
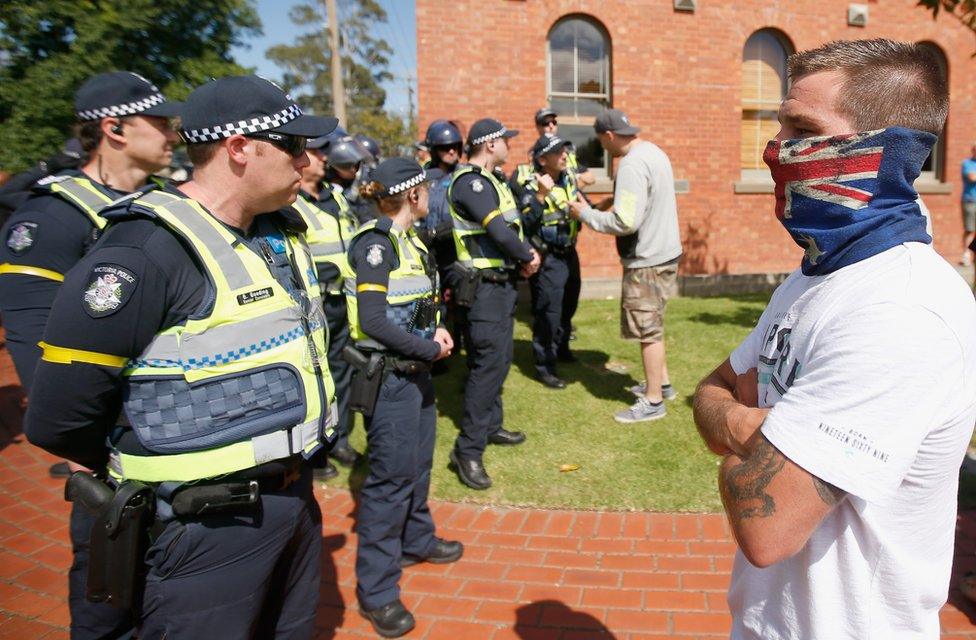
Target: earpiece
(117, 128)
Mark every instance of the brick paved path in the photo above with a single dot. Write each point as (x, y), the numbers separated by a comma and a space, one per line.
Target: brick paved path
(526, 574)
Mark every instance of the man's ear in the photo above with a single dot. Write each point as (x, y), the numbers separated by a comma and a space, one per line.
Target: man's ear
(112, 129)
(237, 149)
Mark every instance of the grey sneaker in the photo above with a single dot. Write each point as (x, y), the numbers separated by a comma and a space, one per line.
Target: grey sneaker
(641, 411)
(667, 391)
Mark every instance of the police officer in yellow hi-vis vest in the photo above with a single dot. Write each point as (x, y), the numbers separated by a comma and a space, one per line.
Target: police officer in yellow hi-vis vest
(185, 356)
(124, 128)
(490, 254)
(331, 225)
(395, 334)
(544, 202)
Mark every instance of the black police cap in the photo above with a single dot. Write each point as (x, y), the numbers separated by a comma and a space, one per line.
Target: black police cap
(548, 144)
(397, 175)
(487, 129)
(542, 114)
(239, 105)
(121, 93)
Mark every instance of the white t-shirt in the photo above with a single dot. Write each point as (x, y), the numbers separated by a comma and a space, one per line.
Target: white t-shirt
(871, 375)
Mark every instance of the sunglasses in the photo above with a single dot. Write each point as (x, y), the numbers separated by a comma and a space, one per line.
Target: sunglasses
(292, 145)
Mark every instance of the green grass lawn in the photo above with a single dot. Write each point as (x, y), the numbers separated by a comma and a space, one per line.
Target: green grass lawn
(659, 466)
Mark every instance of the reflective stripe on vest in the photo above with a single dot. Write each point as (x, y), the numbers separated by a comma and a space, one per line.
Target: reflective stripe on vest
(328, 236)
(83, 194)
(474, 247)
(204, 395)
(557, 205)
(409, 283)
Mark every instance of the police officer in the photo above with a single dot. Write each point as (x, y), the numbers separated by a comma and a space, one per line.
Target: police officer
(124, 128)
(331, 225)
(556, 286)
(200, 319)
(490, 247)
(546, 124)
(393, 311)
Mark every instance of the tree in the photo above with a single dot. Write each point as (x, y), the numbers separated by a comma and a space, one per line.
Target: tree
(307, 75)
(47, 49)
(964, 10)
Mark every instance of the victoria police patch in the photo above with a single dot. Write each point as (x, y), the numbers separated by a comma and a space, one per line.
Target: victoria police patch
(21, 237)
(477, 185)
(374, 254)
(110, 287)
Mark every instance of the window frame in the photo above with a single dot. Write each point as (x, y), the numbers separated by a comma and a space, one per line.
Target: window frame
(606, 97)
(761, 175)
(937, 174)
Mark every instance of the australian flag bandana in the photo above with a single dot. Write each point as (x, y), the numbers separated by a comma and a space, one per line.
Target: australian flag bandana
(846, 198)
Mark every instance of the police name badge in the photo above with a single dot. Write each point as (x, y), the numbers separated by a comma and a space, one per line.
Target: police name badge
(21, 237)
(374, 254)
(477, 185)
(110, 288)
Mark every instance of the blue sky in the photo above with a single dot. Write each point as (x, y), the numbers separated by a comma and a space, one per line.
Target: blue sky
(399, 32)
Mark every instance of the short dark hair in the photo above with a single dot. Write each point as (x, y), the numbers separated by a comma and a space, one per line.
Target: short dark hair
(200, 153)
(888, 83)
(89, 134)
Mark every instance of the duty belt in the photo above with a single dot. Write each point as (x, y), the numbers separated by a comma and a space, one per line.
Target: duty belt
(402, 365)
(496, 275)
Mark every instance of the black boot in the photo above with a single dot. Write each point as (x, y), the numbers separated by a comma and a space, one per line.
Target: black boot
(471, 472)
(443, 552)
(392, 620)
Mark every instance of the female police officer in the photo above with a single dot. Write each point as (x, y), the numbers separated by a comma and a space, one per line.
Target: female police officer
(393, 326)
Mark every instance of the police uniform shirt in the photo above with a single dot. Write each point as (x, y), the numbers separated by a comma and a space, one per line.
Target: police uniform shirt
(327, 272)
(155, 284)
(474, 198)
(373, 258)
(46, 232)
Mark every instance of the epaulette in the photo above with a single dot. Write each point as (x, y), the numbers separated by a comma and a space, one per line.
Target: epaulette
(294, 222)
(125, 208)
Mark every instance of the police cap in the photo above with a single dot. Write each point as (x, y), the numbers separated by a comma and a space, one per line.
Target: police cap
(397, 175)
(121, 93)
(549, 144)
(542, 114)
(487, 129)
(239, 105)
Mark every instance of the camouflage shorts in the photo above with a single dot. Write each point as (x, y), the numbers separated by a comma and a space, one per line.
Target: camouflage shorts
(644, 294)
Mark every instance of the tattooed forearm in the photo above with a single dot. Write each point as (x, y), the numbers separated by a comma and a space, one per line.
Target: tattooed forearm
(830, 494)
(744, 486)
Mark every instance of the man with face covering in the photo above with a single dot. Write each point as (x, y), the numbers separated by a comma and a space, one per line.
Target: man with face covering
(843, 417)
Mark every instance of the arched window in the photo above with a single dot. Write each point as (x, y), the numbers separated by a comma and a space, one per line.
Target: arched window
(764, 85)
(934, 168)
(579, 84)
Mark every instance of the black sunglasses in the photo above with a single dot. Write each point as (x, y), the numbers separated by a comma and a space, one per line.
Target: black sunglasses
(292, 145)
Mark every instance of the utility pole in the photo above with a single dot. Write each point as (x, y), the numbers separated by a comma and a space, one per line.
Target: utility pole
(338, 90)
(413, 112)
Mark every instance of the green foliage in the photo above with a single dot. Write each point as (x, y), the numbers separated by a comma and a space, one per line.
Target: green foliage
(307, 69)
(47, 49)
(964, 10)
(655, 466)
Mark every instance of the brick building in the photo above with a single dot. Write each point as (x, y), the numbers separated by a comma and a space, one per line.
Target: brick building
(704, 84)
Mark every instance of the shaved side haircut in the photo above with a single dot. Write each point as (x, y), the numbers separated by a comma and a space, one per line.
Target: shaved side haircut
(888, 83)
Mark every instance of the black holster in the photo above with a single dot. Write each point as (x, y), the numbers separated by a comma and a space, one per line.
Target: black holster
(119, 540)
(466, 285)
(367, 378)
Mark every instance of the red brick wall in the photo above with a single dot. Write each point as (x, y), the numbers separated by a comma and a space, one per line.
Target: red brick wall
(678, 76)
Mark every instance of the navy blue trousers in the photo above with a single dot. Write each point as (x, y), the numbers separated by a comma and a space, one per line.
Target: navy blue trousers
(394, 518)
(488, 328)
(238, 576)
(90, 620)
(336, 317)
(555, 297)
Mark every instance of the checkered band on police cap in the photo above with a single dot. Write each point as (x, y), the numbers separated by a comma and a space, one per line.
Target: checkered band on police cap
(490, 136)
(398, 174)
(118, 110)
(406, 184)
(242, 127)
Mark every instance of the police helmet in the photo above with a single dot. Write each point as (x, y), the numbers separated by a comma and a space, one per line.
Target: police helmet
(345, 151)
(441, 133)
(370, 145)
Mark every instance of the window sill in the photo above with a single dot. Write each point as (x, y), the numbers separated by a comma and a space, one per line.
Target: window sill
(930, 186)
(753, 186)
(602, 185)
